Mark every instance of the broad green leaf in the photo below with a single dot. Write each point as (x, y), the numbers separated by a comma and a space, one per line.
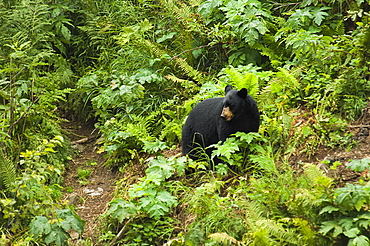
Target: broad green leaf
(208, 7)
(353, 232)
(226, 149)
(359, 241)
(40, 226)
(166, 37)
(359, 165)
(158, 210)
(156, 177)
(120, 209)
(162, 166)
(343, 197)
(145, 25)
(347, 223)
(222, 169)
(57, 236)
(328, 226)
(166, 197)
(70, 220)
(319, 14)
(154, 147)
(329, 209)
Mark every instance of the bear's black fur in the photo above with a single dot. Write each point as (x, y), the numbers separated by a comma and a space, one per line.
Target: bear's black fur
(215, 119)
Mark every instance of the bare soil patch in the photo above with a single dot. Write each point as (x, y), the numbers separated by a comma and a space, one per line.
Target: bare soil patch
(361, 136)
(90, 195)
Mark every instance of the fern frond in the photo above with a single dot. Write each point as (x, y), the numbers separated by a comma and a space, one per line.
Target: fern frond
(183, 82)
(279, 233)
(223, 238)
(317, 177)
(288, 77)
(189, 70)
(7, 171)
(303, 226)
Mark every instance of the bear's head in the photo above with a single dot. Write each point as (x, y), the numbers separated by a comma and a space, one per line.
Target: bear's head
(234, 102)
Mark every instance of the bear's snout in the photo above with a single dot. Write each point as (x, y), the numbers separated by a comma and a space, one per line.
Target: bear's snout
(227, 114)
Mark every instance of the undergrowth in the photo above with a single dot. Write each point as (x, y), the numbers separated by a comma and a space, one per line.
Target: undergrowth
(136, 69)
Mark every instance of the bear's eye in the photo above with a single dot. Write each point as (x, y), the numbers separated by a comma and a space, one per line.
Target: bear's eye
(230, 105)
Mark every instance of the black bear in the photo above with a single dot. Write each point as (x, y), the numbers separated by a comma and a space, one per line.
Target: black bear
(215, 119)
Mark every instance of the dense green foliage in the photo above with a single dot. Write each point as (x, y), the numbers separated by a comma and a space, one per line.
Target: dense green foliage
(136, 68)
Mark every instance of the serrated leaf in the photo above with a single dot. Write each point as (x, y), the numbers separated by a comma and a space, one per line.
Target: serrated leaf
(120, 209)
(157, 210)
(359, 165)
(328, 226)
(156, 177)
(57, 236)
(165, 37)
(160, 166)
(343, 196)
(146, 202)
(328, 209)
(359, 241)
(154, 147)
(208, 7)
(167, 198)
(70, 220)
(40, 226)
(249, 137)
(319, 14)
(365, 216)
(353, 232)
(145, 25)
(226, 149)
(346, 223)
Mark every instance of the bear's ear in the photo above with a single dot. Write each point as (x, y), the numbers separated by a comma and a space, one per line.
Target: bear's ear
(228, 88)
(243, 93)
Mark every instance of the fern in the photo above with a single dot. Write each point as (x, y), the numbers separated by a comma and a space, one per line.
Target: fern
(279, 233)
(190, 71)
(7, 171)
(223, 238)
(264, 231)
(242, 79)
(288, 77)
(183, 82)
(255, 211)
(317, 177)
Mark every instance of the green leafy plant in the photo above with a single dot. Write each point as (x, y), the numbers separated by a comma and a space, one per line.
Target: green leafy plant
(242, 150)
(83, 174)
(350, 219)
(149, 203)
(38, 193)
(55, 231)
(359, 165)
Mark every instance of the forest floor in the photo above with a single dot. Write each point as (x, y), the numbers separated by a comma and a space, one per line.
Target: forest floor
(92, 183)
(92, 194)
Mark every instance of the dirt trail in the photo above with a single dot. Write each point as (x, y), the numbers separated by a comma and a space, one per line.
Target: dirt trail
(90, 195)
(360, 130)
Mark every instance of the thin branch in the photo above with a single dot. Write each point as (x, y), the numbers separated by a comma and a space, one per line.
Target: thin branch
(197, 48)
(359, 126)
(119, 235)
(22, 115)
(285, 5)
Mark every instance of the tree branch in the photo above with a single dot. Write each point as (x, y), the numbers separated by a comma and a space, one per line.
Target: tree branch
(197, 48)
(22, 115)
